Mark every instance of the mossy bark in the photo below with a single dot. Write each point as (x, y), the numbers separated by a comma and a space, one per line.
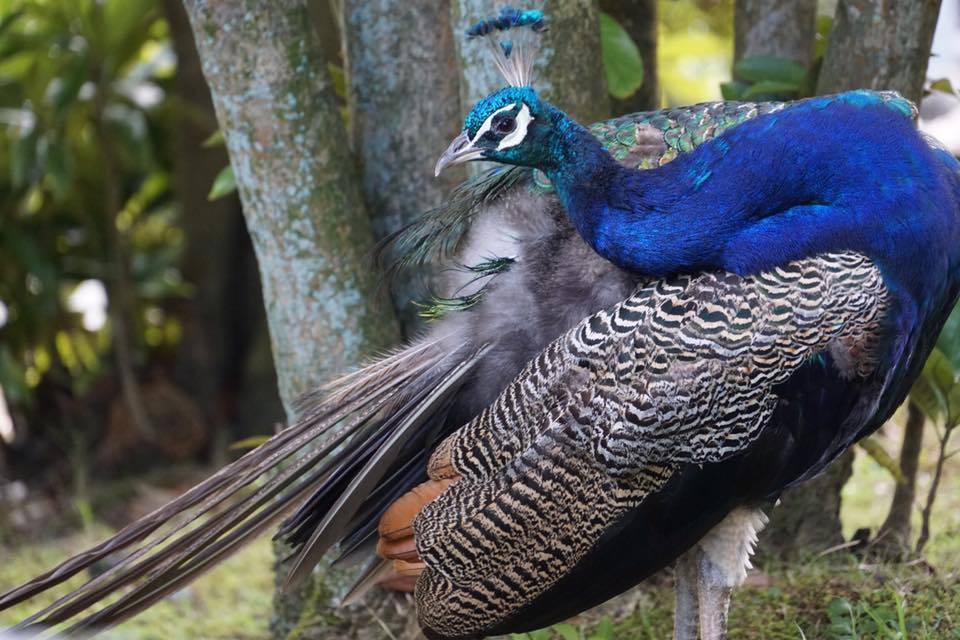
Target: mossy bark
(880, 44)
(775, 28)
(404, 111)
(304, 209)
(298, 186)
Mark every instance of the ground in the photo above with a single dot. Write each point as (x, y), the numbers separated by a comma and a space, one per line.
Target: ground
(833, 597)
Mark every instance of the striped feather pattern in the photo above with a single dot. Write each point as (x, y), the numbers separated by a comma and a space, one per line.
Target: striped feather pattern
(683, 371)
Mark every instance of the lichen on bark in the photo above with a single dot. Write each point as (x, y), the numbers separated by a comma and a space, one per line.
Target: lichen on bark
(404, 111)
(303, 206)
(296, 180)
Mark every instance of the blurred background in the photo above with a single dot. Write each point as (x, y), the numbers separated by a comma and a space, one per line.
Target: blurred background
(134, 349)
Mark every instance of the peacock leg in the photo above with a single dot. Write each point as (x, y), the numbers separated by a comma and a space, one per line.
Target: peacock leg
(714, 592)
(722, 565)
(686, 614)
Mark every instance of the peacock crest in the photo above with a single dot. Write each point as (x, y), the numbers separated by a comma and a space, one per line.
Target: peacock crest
(515, 54)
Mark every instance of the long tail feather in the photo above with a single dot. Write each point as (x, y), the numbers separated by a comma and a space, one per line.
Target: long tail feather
(342, 512)
(361, 423)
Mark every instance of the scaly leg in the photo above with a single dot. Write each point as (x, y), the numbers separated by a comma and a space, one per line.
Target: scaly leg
(714, 589)
(686, 614)
(722, 562)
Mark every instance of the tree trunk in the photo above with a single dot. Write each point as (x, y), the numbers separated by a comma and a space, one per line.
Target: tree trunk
(775, 28)
(893, 538)
(405, 110)
(569, 70)
(301, 199)
(880, 44)
(303, 206)
(807, 518)
(216, 328)
(639, 19)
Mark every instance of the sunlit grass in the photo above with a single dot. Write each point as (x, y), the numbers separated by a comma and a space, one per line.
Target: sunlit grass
(232, 602)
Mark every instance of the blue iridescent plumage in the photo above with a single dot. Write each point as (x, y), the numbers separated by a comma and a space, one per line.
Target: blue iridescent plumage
(842, 175)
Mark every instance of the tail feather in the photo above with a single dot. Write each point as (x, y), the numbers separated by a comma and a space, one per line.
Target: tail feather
(342, 512)
(361, 422)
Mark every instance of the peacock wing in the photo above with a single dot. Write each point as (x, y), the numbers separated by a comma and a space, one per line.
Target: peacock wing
(683, 372)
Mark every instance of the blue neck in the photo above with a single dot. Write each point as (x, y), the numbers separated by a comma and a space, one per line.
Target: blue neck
(843, 173)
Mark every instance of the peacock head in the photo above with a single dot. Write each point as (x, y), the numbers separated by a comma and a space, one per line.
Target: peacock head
(511, 126)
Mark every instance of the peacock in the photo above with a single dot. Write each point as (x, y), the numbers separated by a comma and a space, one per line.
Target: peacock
(651, 328)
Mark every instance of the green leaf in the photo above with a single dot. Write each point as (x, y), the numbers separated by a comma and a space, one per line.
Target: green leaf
(566, 631)
(940, 371)
(733, 90)
(768, 68)
(772, 88)
(621, 59)
(943, 85)
(216, 139)
(949, 340)
(224, 184)
(604, 630)
(876, 451)
(929, 398)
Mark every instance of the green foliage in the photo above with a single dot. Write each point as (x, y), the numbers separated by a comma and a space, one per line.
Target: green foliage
(767, 78)
(862, 620)
(604, 629)
(621, 59)
(695, 48)
(224, 184)
(83, 183)
(875, 450)
(943, 85)
(937, 391)
(771, 78)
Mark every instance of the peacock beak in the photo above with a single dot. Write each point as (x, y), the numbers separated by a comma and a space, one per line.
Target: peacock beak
(460, 150)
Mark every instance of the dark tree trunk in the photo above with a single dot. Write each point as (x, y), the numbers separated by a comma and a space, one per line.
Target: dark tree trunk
(639, 19)
(807, 518)
(775, 28)
(405, 110)
(893, 539)
(880, 44)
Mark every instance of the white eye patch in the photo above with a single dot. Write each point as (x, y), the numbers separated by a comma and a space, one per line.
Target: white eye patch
(517, 135)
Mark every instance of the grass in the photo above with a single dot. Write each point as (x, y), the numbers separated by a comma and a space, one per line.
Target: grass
(814, 600)
(802, 601)
(232, 602)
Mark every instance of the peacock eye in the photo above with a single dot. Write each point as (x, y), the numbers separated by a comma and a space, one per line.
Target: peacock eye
(504, 125)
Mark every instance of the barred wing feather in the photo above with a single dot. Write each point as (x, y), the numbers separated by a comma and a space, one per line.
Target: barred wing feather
(684, 371)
